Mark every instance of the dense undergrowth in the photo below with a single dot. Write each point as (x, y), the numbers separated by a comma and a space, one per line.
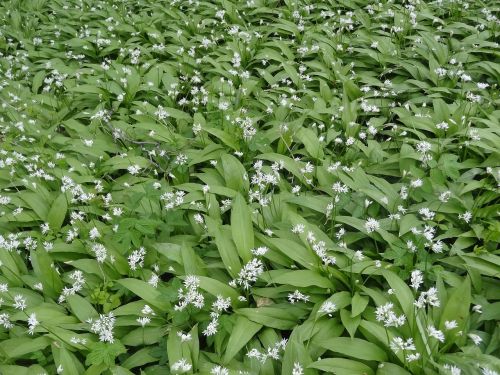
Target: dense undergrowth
(245, 187)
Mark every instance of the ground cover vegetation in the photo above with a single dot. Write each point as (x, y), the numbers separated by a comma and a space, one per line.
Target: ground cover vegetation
(245, 187)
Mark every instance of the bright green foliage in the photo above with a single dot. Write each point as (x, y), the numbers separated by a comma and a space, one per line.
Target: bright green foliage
(249, 187)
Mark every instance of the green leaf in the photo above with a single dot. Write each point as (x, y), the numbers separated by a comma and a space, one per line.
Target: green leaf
(148, 293)
(242, 228)
(68, 362)
(235, 174)
(20, 346)
(350, 323)
(401, 291)
(215, 287)
(243, 330)
(457, 307)
(225, 246)
(311, 142)
(106, 353)
(82, 309)
(359, 304)
(292, 249)
(354, 347)
(57, 212)
(391, 369)
(301, 278)
(274, 317)
(341, 366)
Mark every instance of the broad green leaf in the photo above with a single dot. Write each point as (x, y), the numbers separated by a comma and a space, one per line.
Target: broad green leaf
(457, 307)
(225, 246)
(82, 309)
(354, 347)
(350, 323)
(301, 278)
(148, 293)
(401, 291)
(391, 369)
(359, 304)
(20, 346)
(241, 333)
(234, 173)
(341, 366)
(242, 228)
(57, 212)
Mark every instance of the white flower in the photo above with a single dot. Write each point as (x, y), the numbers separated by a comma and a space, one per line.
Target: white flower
(298, 228)
(412, 357)
(219, 370)
(340, 188)
(454, 370)
(94, 233)
(297, 369)
(429, 297)
(32, 323)
(297, 296)
(477, 308)
(437, 334)
(328, 307)
(466, 216)
(385, 313)
(189, 294)
(144, 320)
(211, 328)
(475, 338)
(19, 302)
(416, 183)
(184, 336)
(416, 279)
(358, 255)
(103, 327)
(423, 147)
(100, 252)
(221, 303)
(260, 251)
(398, 343)
(250, 272)
(137, 258)
(153, 280)
(181, 365)
(487, 371)
(372, 225)
(450, 324)
(133, 169)
(5, 321)
(44, 228)
(426, 213)
(161, 113)
(147, 310)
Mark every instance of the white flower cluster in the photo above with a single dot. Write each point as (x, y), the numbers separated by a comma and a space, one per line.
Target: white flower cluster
(103, 327)
(181, 366)
(173, 199)
(190, 295)
(137, 258)
(78, 282)
(319, 248)
(386, 314)
(429, 297)
(220, 305)
(271, 352)
(398, 344)
(249, 273)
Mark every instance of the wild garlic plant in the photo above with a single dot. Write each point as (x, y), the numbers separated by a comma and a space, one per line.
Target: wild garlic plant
(249, 187)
